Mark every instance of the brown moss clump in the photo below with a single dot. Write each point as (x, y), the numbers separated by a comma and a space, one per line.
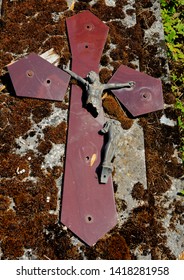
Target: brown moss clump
(14, 122)
(31, 24)
(42, 109)
(142, 229)
(144, 4)
(121, 204)
(146, 19)
(56, 171)
(138, 191)
(12, 248)
(56, 134)
(177, 210)
(61, 104)
(35, 165)
(112, 107)
(80, 6)
(159, 182)
(105, 75)
(105, 60)
(4, 202)
(106, 13)
(113, 247)
(169, 98)
(11, 164)
(57, 245)
(44, 147)
(130, 12)
(159, 149)
(57, 43)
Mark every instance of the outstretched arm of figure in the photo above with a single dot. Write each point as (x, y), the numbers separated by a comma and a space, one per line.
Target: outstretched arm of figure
(129, 85)
(74, 75)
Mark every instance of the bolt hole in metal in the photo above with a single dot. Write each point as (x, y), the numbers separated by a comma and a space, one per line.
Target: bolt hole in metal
(87, 158)
(89, 27)
(89, 219)
(29, 73)
(145, 95)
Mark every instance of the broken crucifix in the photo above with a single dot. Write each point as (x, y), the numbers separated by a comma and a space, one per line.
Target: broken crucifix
(88, 205)
(94, 89)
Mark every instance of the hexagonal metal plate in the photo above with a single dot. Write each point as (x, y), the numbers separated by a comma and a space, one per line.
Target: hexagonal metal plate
(146, 96)
(35, 77)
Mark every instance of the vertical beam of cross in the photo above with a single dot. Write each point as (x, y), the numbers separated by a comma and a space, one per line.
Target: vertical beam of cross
(88, 207)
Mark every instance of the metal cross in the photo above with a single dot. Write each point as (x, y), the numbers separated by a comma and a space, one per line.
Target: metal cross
(88, 205)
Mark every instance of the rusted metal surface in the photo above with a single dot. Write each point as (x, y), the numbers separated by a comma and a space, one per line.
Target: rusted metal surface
(145, 97)
(88, 207)
(34, 77)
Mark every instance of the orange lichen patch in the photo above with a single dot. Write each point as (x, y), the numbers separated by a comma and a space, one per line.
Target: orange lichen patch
(56, 134)
(12, 164)
(112, 107)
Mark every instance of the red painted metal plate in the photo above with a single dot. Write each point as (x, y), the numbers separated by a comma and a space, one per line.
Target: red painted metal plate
(87, 35)
(35, 77)
(146, 96)
(88, 207)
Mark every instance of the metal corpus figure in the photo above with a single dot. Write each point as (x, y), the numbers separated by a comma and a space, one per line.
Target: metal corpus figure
(111, 131)
(94, 88)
